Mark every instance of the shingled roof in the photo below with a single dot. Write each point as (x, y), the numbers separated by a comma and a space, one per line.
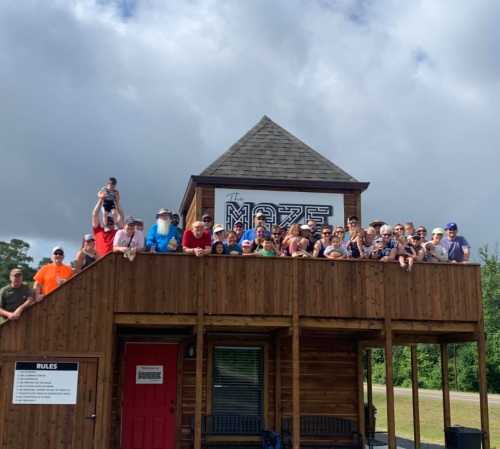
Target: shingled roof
(271, 152)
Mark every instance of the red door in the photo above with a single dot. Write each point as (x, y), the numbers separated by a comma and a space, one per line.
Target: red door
(149, 396)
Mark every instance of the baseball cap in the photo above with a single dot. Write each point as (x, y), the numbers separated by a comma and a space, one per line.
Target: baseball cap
(377, 223)
(218, 228)
(57, 248)
(163, 211)
(88, 237)
(260, 215)
(438, 231)
(305, 227)
(451, 226)
(246, 243)
(130, 221)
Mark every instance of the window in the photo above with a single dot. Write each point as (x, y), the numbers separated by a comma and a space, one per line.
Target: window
(238, 381)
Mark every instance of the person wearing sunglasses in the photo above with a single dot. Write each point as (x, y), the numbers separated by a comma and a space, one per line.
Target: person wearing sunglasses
(277, 238)
(422, 232)
(324, 242)
(87, 254)
(250, 234)
(52, 275)
(208, 222)
(15, 297)
(385, 248)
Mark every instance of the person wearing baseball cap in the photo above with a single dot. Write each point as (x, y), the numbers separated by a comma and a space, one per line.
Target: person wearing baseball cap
(127, 240)
(15, 297)
(105, 234)
(87, 253)
(52, 275)
(163, 236)
(457, 246)
(434, 250)
(259, 219)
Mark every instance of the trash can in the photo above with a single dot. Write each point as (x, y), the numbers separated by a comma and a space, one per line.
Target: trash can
(457, 437)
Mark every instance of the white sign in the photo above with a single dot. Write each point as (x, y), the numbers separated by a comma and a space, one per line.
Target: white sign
(283, 208)
(45, 383)
(149, 374)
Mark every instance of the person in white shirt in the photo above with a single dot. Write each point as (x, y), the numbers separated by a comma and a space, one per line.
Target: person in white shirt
(434, 251)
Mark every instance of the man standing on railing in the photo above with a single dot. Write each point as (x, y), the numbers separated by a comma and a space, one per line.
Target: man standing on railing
(457, 246)
(15, 297)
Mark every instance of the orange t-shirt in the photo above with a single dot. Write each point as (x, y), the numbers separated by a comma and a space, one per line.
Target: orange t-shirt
(50, 276)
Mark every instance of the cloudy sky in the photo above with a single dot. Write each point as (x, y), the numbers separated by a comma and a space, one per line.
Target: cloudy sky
(405, 95)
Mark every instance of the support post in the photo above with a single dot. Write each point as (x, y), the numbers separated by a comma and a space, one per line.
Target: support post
(361, 393)
(414, 390)
(483, 389)
(389, 386)
(445, 385)
(200, 330)
(295, 359)
(369, 392)
(277, 382)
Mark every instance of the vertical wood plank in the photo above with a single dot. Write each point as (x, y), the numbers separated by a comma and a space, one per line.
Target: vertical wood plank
(483, 389)
(414, 391)
(361, 394)
(277, 383)
(369, 392)
(199, 361)
(295, 359)
(445, 385)
(391, 422)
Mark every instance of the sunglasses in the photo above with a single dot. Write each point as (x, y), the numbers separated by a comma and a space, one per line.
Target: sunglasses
(58, 253)
(276, 233)
(17, 275)
(207, 220)
(422, 231)
(386, 235)
(326, 233)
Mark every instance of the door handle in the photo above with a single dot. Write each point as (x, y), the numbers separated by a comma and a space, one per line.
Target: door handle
(93, 416)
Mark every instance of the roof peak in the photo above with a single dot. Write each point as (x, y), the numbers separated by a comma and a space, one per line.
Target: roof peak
(268, 150)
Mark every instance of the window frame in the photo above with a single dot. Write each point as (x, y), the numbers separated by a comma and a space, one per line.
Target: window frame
(265, 375)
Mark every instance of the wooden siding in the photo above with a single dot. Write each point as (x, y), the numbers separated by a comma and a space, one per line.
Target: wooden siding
(159, 283)
(352, 205)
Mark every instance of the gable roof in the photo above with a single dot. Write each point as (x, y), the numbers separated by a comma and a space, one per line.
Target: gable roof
(271, 152)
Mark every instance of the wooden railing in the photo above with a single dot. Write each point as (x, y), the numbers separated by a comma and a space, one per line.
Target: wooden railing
(235, 285)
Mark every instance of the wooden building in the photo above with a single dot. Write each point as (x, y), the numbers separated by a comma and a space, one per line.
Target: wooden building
(173, 350)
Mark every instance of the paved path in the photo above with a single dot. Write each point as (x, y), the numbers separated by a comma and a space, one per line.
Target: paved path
(493, 399)
(403, 443)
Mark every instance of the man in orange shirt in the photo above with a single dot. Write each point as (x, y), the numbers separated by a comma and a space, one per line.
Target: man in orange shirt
(52, 275)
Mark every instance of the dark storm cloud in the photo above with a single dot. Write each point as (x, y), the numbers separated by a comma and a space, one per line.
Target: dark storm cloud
(404, 95)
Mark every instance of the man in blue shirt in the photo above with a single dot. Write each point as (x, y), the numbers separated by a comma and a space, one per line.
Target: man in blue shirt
(249, 234)
(163, 237)
(457, 246)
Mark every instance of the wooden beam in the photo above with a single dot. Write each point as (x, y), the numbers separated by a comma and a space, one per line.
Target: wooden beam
(414, 391)
(199, 359)
(247, 321)
(145, 319)
(483, 389)
(369, 392)
(361, 393)
(341, 324)
(295, 359)
(433, 326)
(277, 383)
(445, 385)
(391, 422)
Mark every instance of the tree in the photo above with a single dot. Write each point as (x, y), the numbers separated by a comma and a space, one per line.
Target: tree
(15, 254)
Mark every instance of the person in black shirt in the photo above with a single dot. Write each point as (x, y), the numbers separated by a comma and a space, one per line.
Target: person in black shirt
(15, 297)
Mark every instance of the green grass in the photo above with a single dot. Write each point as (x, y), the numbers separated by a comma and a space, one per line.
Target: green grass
(431, 417)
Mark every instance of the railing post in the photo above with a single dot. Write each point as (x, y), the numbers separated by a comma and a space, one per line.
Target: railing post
(199, 358)
(295, 359)
(389, 386)
(445, 386)
(414, 391)
(483, 389)
(361, 393)
(369, 392)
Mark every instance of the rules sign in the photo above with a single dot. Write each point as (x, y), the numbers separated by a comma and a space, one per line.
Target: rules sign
(45, 383)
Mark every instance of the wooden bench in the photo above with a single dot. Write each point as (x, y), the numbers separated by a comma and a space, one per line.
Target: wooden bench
(230, 431)
(322, 431)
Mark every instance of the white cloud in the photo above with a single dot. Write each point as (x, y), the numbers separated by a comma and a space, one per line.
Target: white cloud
(401, 94)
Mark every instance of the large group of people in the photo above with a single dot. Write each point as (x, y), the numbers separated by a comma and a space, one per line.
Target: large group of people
(113, 232)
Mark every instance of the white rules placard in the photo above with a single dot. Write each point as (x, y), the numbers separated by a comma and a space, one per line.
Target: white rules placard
(45, 383)
(148, 374)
